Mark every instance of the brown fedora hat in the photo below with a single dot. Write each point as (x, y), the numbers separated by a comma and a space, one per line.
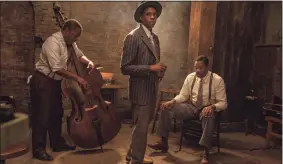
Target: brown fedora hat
(145, 4)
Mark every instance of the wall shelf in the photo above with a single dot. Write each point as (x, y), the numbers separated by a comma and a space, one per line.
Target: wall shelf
(267, 45)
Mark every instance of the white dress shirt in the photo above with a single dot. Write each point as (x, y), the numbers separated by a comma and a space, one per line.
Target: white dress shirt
(54, 56)
(149, 34)
(218, 92)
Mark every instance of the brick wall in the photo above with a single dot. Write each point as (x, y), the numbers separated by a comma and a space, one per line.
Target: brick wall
(105, 26)
(17, 31)
(173, 31)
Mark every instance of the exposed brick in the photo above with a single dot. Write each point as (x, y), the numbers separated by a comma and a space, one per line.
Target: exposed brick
(17, 50)
(105, 25)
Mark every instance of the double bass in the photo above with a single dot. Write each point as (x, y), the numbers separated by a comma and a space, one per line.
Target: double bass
(98, 123)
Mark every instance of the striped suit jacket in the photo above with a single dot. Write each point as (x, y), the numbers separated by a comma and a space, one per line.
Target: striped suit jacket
(138, 54)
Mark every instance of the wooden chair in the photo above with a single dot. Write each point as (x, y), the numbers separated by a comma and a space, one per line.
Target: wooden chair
(165, 95)
(13, 152)
(273, 117)
(271, 121)
(193, 127)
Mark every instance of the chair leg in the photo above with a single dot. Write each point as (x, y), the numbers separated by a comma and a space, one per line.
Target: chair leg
(175, 128)
(156, 112)
(154, 122)
(218, 137)
(133, 119)
(181, 138)
(269, 130)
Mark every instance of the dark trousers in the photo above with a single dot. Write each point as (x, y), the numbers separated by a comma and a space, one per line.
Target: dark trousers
(47, 112)
(184, 111)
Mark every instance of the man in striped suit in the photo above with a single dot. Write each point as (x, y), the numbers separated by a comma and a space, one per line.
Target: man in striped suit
(140, 60)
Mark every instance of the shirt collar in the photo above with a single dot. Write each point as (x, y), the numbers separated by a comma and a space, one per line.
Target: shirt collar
(148, 33)
(206, 77)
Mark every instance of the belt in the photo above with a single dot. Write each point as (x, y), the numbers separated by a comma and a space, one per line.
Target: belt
(42, 74)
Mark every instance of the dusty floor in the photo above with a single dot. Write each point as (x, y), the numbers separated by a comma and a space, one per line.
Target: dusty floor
(234, 150)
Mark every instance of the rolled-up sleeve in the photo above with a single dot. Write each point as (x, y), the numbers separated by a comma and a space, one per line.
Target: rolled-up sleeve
(51, 49)
(185, 91)
(221, 98)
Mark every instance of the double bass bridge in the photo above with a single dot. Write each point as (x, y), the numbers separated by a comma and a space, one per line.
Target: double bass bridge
(91, 108)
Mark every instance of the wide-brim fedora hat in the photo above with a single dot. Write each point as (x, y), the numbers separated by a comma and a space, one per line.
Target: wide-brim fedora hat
(143, 5)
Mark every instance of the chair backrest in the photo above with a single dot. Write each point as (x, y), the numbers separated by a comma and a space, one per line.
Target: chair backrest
(277, 103)
(165, 95)
(168, 94)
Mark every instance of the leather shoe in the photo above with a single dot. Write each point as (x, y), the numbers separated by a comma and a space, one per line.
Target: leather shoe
(43, 156)
(64, 147)
(159, 146)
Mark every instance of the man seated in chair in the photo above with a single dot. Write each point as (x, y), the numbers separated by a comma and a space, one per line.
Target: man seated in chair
(202, 94)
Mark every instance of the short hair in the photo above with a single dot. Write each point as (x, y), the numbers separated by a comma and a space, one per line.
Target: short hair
(204, 59)
(72, 24)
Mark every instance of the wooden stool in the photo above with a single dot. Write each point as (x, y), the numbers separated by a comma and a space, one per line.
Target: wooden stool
(13, 152)
(164, 92)
(271, 120)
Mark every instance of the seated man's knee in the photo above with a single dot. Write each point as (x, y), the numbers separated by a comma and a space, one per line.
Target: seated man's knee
(178, 106)
(209, 118)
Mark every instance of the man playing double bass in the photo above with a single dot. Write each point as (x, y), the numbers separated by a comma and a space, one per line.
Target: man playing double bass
(47, 110)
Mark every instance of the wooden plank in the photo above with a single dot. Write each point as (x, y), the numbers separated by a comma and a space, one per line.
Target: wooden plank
(201, 32)
(237, 30)
(273, 119)
(267, 45)
(113, 86)
(275, 134)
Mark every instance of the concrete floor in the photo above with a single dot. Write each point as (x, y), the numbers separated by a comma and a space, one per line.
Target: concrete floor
(234, 150)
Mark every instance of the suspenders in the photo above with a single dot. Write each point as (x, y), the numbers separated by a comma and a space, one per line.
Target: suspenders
(210, 83)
